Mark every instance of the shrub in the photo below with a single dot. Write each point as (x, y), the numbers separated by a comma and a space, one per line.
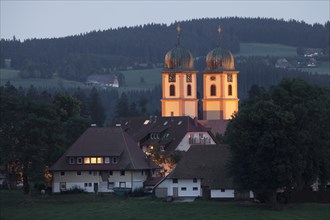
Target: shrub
(74, 190)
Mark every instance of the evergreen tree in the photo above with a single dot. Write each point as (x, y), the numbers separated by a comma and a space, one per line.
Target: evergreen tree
(96, 108)
(122, 109)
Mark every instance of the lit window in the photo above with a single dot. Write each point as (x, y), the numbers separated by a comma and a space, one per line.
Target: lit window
(213, 90)
(146, 122)
(100, 160)
(183, 188)
(79, 160)
(71, 160)
(107, 160)
(87, 160)
(188, 90)
(93, 160)
(172, 90)
(175, 180)
(114, 160)
(230, 90)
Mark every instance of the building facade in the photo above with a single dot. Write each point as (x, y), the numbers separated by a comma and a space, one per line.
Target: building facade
(179, 84)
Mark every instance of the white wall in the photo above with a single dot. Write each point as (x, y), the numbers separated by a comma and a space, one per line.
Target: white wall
(131, 179)
(187, 183)
(185, 145)
(228, 193)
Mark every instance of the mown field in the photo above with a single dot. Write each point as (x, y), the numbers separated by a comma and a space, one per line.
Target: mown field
(257, 49)
(15, 206)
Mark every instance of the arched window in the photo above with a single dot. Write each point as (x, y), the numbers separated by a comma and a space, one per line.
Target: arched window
(188, 90)
(172, 90)
(213, 90)
(230, 90)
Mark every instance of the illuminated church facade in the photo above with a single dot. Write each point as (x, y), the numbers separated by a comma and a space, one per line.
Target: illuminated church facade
(179, 84)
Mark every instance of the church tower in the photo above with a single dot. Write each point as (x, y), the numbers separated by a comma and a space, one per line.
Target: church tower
(220, 99)
(179, 83)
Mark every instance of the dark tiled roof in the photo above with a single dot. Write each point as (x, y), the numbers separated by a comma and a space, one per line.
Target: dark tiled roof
(152, 181)
(208, 162)
(105, 142)
(171, 130)
(216, 126)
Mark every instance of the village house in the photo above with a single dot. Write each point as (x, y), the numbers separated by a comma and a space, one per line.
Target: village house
(202, 172)
(102, 160)
(103, 80)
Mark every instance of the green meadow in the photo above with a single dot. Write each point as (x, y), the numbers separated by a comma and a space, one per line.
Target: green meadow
(258, 49)
(15, 206)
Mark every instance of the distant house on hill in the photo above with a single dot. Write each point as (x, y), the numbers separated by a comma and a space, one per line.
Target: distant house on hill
(312, 62)
(313, 52)
(103, 160)
(282, 63)
(202, 172)
(103, 80)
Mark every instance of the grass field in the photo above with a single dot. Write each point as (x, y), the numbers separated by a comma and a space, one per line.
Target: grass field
(257, 49)
(15, 206)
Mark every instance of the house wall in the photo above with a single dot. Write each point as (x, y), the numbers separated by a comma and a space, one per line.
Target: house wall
(228, 193)
(182, 183)
(131, 179)
(185, 145)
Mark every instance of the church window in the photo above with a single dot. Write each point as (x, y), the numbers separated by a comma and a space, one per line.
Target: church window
(213, 90)
(188, 78)
(171, 77)
(172, 90)
(229, 78)
(188, 90)
(230, 90)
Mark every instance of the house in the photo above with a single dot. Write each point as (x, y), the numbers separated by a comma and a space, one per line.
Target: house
(103, 80)
(282, 63)
(202, 172)
(168, 134)
(102, 160)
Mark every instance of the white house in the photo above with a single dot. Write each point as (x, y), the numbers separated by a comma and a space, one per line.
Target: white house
(102, 160)
(201, 172)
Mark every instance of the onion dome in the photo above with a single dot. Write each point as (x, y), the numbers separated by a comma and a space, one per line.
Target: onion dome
(179, 57)
(220, 59)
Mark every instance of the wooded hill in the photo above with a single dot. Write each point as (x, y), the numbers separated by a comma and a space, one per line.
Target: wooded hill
(76, 57)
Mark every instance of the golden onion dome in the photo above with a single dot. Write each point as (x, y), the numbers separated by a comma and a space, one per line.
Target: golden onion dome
(179, 58)
(219, 58)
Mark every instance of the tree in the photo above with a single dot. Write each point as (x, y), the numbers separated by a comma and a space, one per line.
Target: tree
(280, 139)
(122, 109)
(96, 108)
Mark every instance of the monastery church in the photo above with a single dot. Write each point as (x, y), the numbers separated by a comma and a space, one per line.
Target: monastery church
(121, 159)
(179, 84)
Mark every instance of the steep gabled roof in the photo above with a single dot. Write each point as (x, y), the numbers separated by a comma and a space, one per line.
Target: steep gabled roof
(208, 162)
(171, 129)
(96, 142)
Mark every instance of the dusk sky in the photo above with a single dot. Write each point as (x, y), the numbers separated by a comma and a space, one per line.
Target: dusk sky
(45, 19)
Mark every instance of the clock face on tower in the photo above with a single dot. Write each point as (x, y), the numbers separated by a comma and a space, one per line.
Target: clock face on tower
(171, 77)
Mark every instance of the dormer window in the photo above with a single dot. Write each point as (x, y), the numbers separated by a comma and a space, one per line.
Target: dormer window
(79, 160)
(71, 160)
(107, 160)
(114, 160)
